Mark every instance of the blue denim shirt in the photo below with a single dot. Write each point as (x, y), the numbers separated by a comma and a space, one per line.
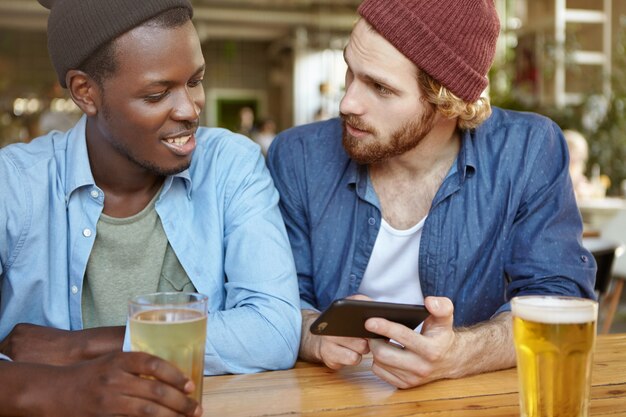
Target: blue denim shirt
(503, 223)
(220, 216)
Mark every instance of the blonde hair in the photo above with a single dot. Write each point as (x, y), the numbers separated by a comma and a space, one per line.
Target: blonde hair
(470, 115)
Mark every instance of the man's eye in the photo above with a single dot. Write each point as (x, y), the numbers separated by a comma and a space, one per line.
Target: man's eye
(153, 98)
(381, 89)
(195, 83)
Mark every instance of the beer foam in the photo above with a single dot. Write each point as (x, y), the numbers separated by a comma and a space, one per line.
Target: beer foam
(554, 310)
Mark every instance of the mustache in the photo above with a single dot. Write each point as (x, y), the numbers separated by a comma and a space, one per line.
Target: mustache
(185, 126)
(357, 123)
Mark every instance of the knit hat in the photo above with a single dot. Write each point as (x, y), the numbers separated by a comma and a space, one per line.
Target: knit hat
(453, 41)
(76, 28)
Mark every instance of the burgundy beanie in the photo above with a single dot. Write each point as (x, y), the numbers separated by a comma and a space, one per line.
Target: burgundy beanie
(453, 41)
(76, 28)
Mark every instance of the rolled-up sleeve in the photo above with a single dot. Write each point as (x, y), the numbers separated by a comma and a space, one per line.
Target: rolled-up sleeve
(546, 255)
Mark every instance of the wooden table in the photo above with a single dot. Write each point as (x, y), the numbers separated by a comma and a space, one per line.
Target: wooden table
(312, 390)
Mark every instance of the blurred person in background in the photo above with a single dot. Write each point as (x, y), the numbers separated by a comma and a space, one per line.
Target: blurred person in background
(578, 148)
(135, 198)
(246, 122)
(422, 193)
(265, 134)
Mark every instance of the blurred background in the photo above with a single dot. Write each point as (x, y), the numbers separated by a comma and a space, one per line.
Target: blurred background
(273, 64)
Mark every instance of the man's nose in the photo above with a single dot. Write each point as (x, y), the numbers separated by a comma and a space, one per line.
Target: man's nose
(352, 101)
(187, 106)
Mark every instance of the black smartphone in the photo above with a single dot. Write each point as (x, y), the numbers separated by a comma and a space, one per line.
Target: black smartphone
(347, 317)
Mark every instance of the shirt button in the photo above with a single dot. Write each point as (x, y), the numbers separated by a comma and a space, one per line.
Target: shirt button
(74, 289)
(95, 193)
(87, 232)
(372, 221)
(583, 258)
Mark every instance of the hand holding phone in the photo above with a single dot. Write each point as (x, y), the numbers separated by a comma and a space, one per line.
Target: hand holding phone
(346, 317)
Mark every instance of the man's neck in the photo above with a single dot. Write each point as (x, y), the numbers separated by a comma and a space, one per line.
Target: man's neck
(407, 184)
(127, 187)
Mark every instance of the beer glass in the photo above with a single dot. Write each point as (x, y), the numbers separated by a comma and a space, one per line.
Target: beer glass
(172, 325)
(554, 340)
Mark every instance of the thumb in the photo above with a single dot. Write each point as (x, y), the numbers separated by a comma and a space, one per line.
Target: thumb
(359, 297)
(441, 313)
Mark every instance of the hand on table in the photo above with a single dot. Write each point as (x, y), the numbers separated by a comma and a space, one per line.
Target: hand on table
(129, 384)
(46, 345)
(425, 357)
(334, 351)
(337, 352)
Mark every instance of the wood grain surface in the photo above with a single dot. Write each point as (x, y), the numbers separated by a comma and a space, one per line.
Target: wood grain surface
(313, 390)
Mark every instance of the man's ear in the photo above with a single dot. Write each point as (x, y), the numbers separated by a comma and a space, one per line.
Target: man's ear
(84, 91)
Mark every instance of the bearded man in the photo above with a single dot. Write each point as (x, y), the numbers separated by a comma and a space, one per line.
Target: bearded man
(422, 193)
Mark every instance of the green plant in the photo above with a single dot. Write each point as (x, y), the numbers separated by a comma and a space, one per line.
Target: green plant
(604, 120)
(601, 119)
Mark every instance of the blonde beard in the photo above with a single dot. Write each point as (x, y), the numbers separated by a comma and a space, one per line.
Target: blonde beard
(373, 150)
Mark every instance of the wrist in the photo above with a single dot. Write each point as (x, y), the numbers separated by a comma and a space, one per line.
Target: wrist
(455, 356)
(25, 395)
(309, 343)
(98, 341)
(483, 347)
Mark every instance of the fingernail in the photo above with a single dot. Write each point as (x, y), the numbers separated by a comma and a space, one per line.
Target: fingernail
(197, 411)
(190, 386)
(371, 325)
(435, 304)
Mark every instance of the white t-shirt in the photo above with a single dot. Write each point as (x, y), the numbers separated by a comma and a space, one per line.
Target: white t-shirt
(392, 272)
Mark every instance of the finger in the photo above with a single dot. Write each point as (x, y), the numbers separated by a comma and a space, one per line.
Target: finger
(128, 382)
(353, 343)
(390, 354)
(398, 332)
(361, 297)
(441, 319)
(136, 406)
(389, 376)
(156, 394)
(441, 312)
(336, 357)
(408, 368)
(140, 363)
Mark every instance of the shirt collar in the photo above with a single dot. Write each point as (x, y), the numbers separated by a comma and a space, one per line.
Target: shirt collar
(466, 161)
(78, 173)
(184, 177)
(352, 175)
(357, 176)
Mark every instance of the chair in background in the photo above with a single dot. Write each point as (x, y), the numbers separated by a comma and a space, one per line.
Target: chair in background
(614, 228)
(611, 302)
(606, 251)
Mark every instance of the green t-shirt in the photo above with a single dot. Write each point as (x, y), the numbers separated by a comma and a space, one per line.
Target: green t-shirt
(130, 256)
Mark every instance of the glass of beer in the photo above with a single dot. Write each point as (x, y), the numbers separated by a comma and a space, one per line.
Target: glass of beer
(172, 325)
(554, 341)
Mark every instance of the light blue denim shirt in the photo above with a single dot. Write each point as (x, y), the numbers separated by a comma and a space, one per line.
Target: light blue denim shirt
(503, 223)
(220, 217)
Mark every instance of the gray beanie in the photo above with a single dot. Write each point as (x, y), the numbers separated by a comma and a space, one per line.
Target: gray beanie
(77, 28)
